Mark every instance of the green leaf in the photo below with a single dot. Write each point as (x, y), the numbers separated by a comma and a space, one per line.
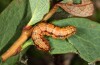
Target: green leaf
(11, 24)
(64, 1)
(38, 9)
(87, 38)
(10, 18)
(74, 1)
(61, 46)
(4, 4)
(77, 1)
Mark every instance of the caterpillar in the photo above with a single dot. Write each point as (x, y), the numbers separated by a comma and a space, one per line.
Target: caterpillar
(48, 29)
(84, 9)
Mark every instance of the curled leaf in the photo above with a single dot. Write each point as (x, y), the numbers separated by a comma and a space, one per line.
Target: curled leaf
(84, 9)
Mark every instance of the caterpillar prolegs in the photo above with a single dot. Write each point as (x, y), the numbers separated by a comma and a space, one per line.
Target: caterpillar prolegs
(48, 29)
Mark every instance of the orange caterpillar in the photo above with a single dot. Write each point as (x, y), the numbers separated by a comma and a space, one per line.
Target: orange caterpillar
(48, 29)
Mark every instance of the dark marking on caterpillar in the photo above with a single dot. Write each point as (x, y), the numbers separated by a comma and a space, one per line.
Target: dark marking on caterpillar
(42, 29)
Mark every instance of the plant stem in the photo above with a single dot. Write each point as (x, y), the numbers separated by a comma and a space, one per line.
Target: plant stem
(52, 11)
(16, 47)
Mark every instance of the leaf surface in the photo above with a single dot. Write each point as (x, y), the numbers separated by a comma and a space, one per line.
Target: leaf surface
(87, 38)
(10, 18)
(75, 1)
(38, 9)
(11, 24)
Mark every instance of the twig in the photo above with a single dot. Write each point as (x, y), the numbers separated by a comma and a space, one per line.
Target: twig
(16, 47)
(52, 11)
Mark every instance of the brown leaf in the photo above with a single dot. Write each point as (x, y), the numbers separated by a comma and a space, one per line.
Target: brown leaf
(84, 9)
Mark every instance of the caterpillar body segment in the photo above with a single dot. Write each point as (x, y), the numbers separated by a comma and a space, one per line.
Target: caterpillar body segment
(42, 29)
